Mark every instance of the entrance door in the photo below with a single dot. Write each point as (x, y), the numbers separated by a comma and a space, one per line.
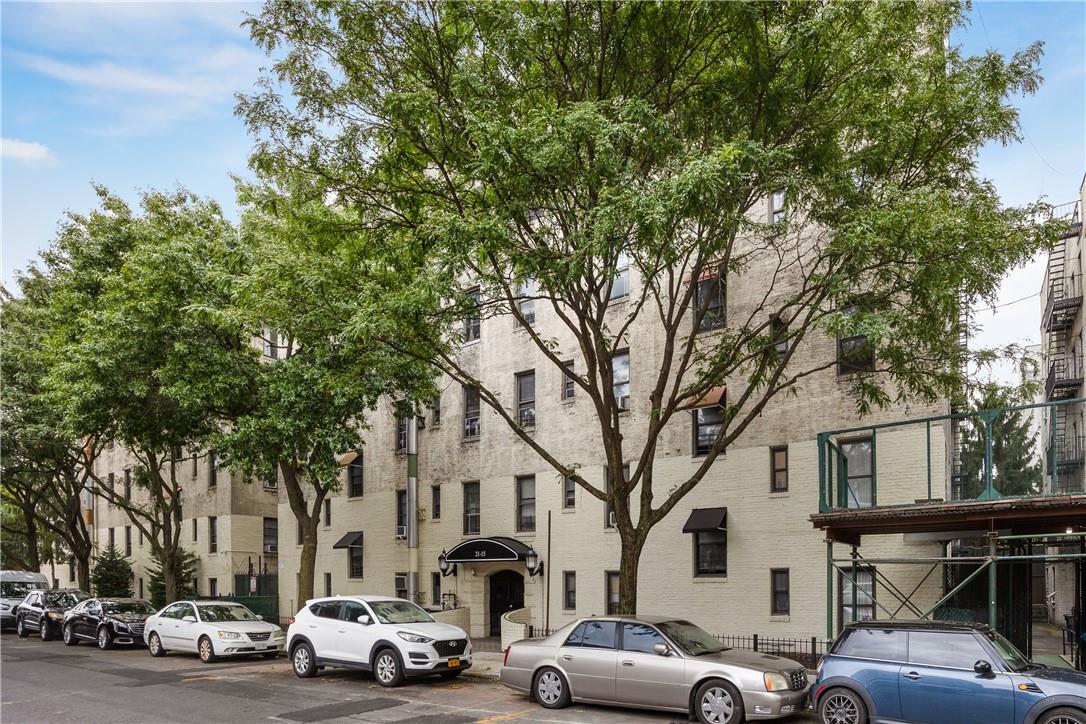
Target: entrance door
(506, 594)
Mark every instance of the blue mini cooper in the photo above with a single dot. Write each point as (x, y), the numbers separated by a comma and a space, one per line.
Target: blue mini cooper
(940, 673)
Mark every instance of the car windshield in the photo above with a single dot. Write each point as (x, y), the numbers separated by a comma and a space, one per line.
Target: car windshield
(219, 612)
(63, 599)
(19, 589)
(127, 607)
(1010, 653)
(399, 612)
(692, 639)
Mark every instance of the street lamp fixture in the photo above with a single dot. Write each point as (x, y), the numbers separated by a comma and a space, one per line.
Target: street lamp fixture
(532, 563)
(446, 568)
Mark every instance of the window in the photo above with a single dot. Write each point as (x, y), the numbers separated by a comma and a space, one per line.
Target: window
(128, 541)
(194, 524)
(271, 480)
(212, 470)
(711, 553)
(213, 587)
(569, 493)
(354, 560)
(526, 398)
(112, 539)
(608, 511)
(128, 485)
(708, 426)
(526, 293)
(640, 638)
(779, 592)
(593, 634)
(195, 463)
(620, 378)
(354, 477)
(471, 322)
(402, 419)
(212, 534)
(569, 386)
(777, 209)
(870, 643)
(112, 483)
(471, 508)
(859, 476)
(271, 344)
(400, 585)
(710, 298)
(620, 284)
(778, 469)
(855, 353)
(611, 592)
(435, 588)
(435, 412)
(195, 592)
(327, 513)
(778, 335)
(327, 584)
(435, 502)
(865, 595)
(326, 609)
(401, 513)
(940, 648)
(141, 588)
(271, 535)
(569, 590)
(471, 411)
(525, 503)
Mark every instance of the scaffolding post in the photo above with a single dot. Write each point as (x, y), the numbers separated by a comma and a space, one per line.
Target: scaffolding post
(993, 540)
(829, 589)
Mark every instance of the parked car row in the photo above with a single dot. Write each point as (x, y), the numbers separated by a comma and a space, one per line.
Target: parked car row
(917, 671)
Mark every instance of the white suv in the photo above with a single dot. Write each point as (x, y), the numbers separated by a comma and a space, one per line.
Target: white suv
(391, 637)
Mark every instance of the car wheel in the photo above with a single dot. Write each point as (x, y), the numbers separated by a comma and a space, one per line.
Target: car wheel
(387, 669)
(718, 702)
(207, 651)
(450, 674)
(550, 689)
(44, 632)
(20, 628)
(841, 706)
(303, 661)
(1063, 715)
(105, 639)
(70, 638)
(154, 645)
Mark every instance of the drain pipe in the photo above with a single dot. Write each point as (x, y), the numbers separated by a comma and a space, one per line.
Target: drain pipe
(412, 508)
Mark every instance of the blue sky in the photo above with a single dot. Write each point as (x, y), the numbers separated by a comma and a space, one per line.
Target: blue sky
(138, 95)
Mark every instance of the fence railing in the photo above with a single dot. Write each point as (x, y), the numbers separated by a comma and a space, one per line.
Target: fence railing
(806, 651)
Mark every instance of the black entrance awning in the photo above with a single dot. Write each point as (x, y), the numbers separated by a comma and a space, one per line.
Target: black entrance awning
(702, 519)
(483, 550)
(351, 540)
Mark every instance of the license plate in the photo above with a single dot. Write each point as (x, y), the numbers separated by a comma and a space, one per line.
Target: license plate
(261, 646)
(454, 663)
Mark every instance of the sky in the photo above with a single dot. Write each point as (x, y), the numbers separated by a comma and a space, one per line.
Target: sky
(140, 95)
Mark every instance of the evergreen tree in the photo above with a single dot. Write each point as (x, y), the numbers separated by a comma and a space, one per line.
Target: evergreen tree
(112, 574)
(1016, 467)
(186, 569)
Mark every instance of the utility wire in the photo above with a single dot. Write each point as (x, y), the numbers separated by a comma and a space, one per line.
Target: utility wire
(1005, 304)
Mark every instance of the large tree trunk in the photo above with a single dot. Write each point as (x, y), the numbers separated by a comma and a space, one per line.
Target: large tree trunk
(292, 483)
(83, 572)
(169, 573)
(33, 559)
(308, 562)
(633, 542)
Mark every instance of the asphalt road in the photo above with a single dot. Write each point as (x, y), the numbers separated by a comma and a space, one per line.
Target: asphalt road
(50, 682)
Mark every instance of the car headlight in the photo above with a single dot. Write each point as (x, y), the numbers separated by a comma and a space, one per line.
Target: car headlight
(229, 635)
(55, 616)
(4, 607)
(414, 638)
(120, 626)
(775, 682)
(279, 634)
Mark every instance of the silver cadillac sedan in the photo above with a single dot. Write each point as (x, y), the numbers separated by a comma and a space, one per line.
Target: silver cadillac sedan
(652, 662)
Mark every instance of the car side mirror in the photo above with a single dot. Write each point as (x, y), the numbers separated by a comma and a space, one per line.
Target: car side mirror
(259, 617)
(982, 667)
(661, 650)
(190, 619)
(364, 619)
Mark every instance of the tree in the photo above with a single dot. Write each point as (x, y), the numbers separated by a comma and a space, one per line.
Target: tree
(310, 397)
(142, 360)
(184, 570)
(554, 153)
(1016, 464)
(112, 574)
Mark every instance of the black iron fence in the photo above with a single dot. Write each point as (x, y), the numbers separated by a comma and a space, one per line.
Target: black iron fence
(806, 651)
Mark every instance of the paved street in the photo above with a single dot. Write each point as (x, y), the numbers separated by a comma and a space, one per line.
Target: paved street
(49, 682)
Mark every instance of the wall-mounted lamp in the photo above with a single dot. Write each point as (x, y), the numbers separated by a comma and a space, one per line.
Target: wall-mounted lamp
(446, 568)
(532, 563)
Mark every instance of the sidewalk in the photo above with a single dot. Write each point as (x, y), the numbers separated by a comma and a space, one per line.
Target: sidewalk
(485, 665)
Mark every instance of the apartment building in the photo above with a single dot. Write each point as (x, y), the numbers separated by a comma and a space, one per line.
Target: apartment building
(227, 522)
(737, 555)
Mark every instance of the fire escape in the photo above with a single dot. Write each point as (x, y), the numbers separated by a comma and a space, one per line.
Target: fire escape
(1065, 455)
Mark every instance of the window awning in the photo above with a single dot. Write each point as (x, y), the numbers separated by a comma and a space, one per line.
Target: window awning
(351, 540)
(702, 519)
(348, 458)
(713, 397)
(484, 550)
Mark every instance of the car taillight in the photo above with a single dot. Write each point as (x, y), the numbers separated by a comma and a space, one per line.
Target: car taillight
(505, 661)
(292, 619)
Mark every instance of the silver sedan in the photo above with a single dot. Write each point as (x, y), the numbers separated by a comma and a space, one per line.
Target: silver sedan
(651, 662)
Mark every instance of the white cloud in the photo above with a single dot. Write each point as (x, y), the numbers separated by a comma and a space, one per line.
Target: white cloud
(27, 151)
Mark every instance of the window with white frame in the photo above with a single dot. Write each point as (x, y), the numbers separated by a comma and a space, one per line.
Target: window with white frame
(472, 320)
(620, 283)
(525, 503)
(569, 385)
(471, 412)
(620, 378)
(527, 290)
(525, 382)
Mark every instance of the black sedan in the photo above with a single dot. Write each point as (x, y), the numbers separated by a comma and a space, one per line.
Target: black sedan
(43, 611)
(108, 621)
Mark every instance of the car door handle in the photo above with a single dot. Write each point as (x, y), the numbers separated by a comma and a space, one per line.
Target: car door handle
(627, 663)
(567, 657)
(341, 630)
(913, 675)
(310, 626)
